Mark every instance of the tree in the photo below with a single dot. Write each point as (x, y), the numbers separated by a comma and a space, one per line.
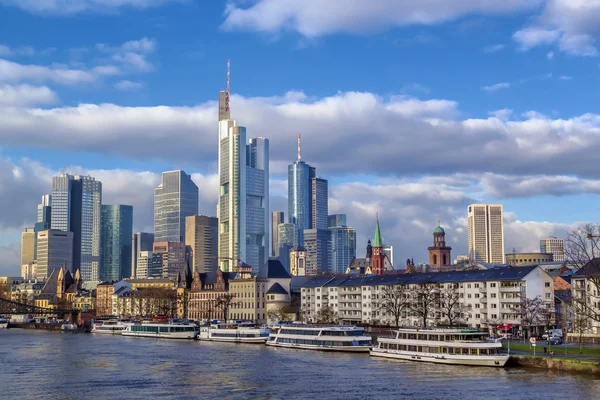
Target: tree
(394, 300)
(282, 313)
(326, 315)
(450, 305)
(424, 298)
(532, 313)
(224, 302)
(5, 290)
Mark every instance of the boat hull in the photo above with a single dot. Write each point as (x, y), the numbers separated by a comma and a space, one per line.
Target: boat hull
(4, 325)
(173, 335)
(346, 349)
(259, 340)
(452, 359)
(108, 332)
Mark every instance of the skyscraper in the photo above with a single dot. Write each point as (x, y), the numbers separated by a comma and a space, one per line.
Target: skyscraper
(257, 203)
(149, 265)
(174, 258)
(76, 208)
(141, 241)
(28, 246)
(55, 249)
(117, 228)
(553, 245)
(388, 250)
(44, 209)
(317, 244)
(277, 217)
(486, 233)
(201, 236)
(342, 247)
(320, 199)
(300, 176)
(175, 198)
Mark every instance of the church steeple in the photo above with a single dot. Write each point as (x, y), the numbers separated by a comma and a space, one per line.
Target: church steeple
(378, 258)
(377, 240)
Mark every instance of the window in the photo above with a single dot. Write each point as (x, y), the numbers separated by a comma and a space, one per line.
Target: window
(492, 285)
(493, 295)
(494, 305)
(494, 316)
(468, 286)
(547, 284)
(476, 285)
(547, 295)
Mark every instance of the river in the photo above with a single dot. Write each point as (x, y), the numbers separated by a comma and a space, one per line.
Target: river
(49, 365)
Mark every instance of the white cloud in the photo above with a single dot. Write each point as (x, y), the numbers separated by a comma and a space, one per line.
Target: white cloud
(532, 37)
(69, 7)
(496, 86)
(14, 72)
(129, 86)
(22, 95)
(550, 55)
(6, 51)
(313, 18)
(132, 54)
(494, 48)
(565, 78)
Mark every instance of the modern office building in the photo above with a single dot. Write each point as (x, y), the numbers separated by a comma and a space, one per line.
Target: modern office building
(320, 200)
(55, 249)
(317, 245)
(257, 203)
(117, 230)
(486, 233)
(277, 217)
(300, 175)
(342, 246)
(76, 208)
(287, 238)
(44, 209)
(388, 250)
(553, 245)
(175, 198)
(174, 258)
(28, 246)
(201, 237)
(149, 265)
(141, 241)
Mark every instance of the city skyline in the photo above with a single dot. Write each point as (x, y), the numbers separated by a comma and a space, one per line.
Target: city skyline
(370, 167)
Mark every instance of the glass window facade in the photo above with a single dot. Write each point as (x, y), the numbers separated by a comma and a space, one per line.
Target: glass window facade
(174, 199)
(300, 175)
(117, 230)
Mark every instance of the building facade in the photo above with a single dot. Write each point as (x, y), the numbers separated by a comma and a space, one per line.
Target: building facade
(298, 261)
(28, 246)
(149, 265)
(553, 245)
(202, 238)
(175, 198)
(525, 258)
(44, 209)
(209, 298)
(141, 241)
(300, 176)
(342, 244)
(174, 258)
(316, 243)
(277, 217)
(257, 203)
(55, 249)
(116, 233)
(320, 203)
(486, 233)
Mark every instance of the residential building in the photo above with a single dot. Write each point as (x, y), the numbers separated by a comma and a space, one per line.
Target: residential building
(300, 176)
(298, 261)
(152, 283)
(257, 203)
(277, 217)
(201, 236)
(320, 203)
(28, 246)
(485, 298)
(104, 297)
(55, 249)
(209, 297)
(44, 209)
(486, 233)
(149, 265)
(439, 253)
(29, 270)
(525, 258)
(76, 208)
(141, 241)
(553, 245)
(585, 289)
(317, 244)
(175, 198)
(174, 258)
(342, 246)
(116, 233)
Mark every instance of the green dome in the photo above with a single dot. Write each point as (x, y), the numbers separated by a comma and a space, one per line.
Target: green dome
(439, 229)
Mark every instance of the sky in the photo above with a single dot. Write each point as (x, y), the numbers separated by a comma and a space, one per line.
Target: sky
(411, 110)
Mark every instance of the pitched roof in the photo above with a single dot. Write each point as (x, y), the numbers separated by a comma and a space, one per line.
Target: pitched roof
(277, 289)
(592, 268)
(273, 269)
(377, 240)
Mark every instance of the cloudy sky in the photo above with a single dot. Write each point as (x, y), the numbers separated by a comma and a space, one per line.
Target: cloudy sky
(411, 109)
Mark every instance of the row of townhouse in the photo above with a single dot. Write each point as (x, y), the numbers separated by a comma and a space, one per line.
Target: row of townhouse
(585, 288)
(486, 297)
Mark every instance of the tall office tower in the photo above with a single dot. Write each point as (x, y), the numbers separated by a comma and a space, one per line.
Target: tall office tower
(388, 250)
(175, 198)
(174, 258)
(486, 233)
(300, 176)
(149, 265)
(277, 217)
(320, 199)
(317, 245)
(117, 229)
(257, 203)
(342, 246)
(553, 245)
(44, 209)
(201, 236)
(76, 207)
(55, 249)
(140, 241)
(28, 246)
(287, 238)
(298, 261)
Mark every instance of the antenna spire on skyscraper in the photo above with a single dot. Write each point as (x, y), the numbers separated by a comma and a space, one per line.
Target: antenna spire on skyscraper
(228, 84)
(299, 156)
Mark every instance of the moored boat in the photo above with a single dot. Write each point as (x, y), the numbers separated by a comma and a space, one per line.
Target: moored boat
(3, 323)
(109, 327)
(442, 346)
(236, 332)
(171, 330)
(320, 337)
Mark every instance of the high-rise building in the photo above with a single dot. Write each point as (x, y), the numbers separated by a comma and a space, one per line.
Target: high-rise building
(553, 245)
(317, 245)
(287, 238)
(76, 208)
(174, 258)
(388, 250)
(55, 249)
(28, 246)
(300, 176)
(336, 220)
(201, 236)
(298, 261)
(149, 265)
(277, 217)
(342, 246)
(486, 233)
(117, 229)
(320, 200)
(141, 241)
(44, 209)
(243, 203)
(175, 198)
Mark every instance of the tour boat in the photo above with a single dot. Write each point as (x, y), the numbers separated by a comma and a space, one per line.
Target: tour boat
(3, 323)
(172, 330)
(109, 327)
(320, 337)
(237, 332)
(442, 346)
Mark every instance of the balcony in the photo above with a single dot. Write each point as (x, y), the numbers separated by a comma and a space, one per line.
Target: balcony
(344, 308)
(482, 289)
(510, 289)
(511, 300)
(483, 299)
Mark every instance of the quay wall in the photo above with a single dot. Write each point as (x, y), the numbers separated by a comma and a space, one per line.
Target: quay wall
(556, 363)
(44, 326)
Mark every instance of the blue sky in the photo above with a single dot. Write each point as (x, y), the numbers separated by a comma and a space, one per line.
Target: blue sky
(410, 109)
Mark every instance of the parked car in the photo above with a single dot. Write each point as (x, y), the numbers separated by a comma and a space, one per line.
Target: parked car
(555, 340)
(552, 333)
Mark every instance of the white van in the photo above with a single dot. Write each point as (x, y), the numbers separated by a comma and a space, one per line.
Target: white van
(552, 333)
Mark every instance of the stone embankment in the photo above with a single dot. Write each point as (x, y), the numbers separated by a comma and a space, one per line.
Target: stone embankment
(585, 365)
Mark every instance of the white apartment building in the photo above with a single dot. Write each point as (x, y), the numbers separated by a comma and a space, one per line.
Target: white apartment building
(486, 233)
(586, 298)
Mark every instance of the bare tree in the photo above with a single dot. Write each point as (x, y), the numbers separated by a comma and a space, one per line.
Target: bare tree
(450, 305)
(5, 290)
(532, 313)
(224, 302)
(326, 315)
(394, 300)
(282, 313)
(424, 298)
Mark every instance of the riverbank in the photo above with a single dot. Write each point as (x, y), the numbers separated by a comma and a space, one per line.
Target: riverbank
(584, 365)
(562, 350)
(55, 327)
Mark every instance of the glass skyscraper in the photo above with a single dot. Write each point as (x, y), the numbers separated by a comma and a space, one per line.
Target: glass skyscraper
(174, 199)
(141, 241)
(300, 176)
(320, 203)
(44, 209)
(342, 248)
(117, 229)
(257, 203)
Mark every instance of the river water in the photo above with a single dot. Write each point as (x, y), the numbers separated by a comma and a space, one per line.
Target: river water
(49, 365)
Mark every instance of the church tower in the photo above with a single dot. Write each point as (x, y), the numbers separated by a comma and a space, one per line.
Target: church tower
(439, 253)
(378, 257)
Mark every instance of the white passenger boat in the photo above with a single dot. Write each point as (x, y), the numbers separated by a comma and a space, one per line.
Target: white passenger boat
(109, 327)
(173, 330)
(442, 346)
(3, 323)
(237, 332)
(320, 337)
